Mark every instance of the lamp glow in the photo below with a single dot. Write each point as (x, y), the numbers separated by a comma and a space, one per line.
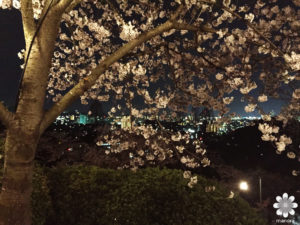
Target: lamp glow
(244, 186)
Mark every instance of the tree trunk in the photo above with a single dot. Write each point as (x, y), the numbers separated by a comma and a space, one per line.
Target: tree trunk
(24, 128)
(15, 197)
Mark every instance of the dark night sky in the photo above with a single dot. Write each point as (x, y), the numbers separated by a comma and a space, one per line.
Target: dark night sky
(12, 41)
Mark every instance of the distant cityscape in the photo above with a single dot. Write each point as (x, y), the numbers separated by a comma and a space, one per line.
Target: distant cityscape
(185, 123)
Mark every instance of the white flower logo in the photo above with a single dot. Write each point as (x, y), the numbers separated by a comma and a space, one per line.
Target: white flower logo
(285, 205)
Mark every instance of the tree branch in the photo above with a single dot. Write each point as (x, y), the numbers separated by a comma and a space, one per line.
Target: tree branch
(28, 21)
(248, 24)
(177, 154)
(255, 30)
(5, 115)
(185, 26)
(89, 81)
(64, 6)
(47, 4)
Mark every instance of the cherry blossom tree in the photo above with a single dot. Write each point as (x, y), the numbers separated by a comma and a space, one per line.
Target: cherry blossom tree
(172, 54)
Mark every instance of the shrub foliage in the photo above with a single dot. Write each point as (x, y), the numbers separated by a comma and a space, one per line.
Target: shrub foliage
(94, 196)
(90, 195)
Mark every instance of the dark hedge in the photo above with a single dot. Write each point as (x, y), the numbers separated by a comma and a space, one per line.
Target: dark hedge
(78, 195)
(93, 196)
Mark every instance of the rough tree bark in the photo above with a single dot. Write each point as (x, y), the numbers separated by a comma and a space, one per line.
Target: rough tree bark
(16, 191)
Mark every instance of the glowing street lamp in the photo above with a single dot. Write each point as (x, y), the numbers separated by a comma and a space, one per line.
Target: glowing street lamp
(244, 186)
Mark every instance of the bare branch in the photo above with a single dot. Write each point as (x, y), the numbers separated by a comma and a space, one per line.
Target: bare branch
(5, 115)
(212, 63)
(89, 81)
(176, 14)
(185, 26)
(72, 5)
(47, 4)
(28, 21)
(65, 6)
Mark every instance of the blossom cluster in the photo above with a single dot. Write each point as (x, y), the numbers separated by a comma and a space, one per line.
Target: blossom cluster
(146, 145)
(269, 134)
(179, 67)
